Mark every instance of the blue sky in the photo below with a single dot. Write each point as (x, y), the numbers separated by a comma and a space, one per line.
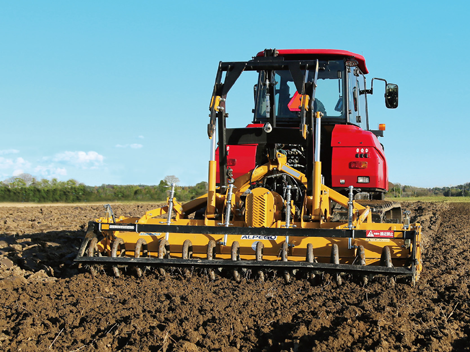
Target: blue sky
(117, 92)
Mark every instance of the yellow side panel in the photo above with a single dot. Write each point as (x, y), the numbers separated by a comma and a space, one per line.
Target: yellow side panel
(260, 208)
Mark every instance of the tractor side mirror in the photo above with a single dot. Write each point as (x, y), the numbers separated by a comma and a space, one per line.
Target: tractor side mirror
(391, 96)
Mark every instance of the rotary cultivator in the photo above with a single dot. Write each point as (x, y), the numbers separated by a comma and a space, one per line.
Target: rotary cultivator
(272, 206)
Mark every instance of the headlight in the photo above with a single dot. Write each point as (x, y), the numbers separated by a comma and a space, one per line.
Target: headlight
(363, 179)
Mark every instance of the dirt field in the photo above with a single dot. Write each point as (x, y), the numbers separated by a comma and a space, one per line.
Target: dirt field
(47, 304)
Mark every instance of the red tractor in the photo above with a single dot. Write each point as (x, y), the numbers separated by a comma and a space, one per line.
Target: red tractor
(332, 82)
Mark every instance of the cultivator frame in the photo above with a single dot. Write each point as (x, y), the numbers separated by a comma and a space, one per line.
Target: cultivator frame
(95, 228)
(246, 226)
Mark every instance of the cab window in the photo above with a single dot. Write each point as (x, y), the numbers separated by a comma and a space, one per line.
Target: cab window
(328, 95)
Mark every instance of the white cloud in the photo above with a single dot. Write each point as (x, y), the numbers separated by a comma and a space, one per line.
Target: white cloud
(13, 167)
(133, 146)
(18, 163)
(80, 159)
(141, 137)
(61, 171)
(9, 151)
(50, 171)
(60, 165)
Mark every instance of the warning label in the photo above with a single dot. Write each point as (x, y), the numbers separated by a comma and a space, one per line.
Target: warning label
(379, 234)
(258, 237)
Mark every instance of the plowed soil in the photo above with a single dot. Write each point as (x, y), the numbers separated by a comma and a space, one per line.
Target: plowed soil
(46, 303)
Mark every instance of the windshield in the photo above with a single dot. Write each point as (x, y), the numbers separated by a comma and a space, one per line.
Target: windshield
(328, 95)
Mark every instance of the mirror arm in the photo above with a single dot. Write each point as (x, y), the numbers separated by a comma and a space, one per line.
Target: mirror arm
(371, 90)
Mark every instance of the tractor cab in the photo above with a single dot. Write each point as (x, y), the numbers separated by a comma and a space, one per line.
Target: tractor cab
(339, 85)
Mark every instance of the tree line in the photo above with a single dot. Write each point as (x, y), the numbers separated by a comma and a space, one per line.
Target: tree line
(398, 190)
(26, 188)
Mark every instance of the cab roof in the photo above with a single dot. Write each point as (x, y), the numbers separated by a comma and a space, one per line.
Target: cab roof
(323, 52)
